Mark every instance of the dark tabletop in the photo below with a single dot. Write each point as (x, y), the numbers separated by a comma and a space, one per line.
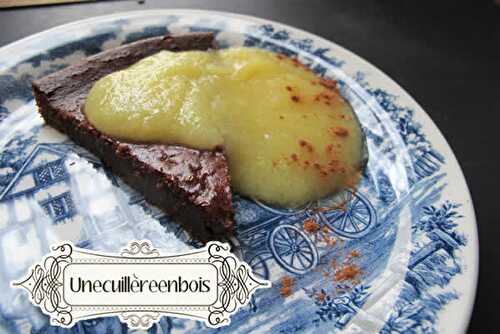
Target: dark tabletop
(446, 54)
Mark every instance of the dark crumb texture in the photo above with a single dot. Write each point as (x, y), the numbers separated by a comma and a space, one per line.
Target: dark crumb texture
(190, 185)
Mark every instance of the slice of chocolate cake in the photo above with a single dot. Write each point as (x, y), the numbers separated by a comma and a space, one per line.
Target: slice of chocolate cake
(191, 186)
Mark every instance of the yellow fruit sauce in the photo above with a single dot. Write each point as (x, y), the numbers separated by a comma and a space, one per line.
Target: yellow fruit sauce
(289, 137)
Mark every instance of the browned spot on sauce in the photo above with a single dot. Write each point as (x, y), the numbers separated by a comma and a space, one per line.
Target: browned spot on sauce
(296, 62)
(328, 83)
(306, 145)
(339, 131)
(340, 170)
(295, 98)
(335, 165)
(326, 96)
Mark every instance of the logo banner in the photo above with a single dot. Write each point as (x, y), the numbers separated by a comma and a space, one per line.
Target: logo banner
(140, 285)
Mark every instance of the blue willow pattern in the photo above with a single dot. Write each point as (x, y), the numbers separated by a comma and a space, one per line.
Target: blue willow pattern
(261, 229)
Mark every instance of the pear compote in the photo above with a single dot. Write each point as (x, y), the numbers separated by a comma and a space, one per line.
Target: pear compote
(288, 135)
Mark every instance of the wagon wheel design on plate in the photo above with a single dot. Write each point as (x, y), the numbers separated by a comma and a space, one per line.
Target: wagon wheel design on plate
(259, 266)
(351, 216)
(281, 211)
(292, 249)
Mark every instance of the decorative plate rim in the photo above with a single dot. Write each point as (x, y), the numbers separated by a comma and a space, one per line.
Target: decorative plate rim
(375, 74)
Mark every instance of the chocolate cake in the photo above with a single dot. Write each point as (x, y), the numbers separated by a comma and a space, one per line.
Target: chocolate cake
(191, 186)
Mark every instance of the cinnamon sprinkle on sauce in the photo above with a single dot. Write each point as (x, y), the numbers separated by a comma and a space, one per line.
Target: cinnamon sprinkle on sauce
(348, 273)
(354, 253)
(310, 225)
(329, 240)
(287, 284)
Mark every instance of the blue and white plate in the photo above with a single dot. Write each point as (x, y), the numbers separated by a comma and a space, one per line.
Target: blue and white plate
(398, 256)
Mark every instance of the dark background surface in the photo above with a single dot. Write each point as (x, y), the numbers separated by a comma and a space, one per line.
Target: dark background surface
(446, 54)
